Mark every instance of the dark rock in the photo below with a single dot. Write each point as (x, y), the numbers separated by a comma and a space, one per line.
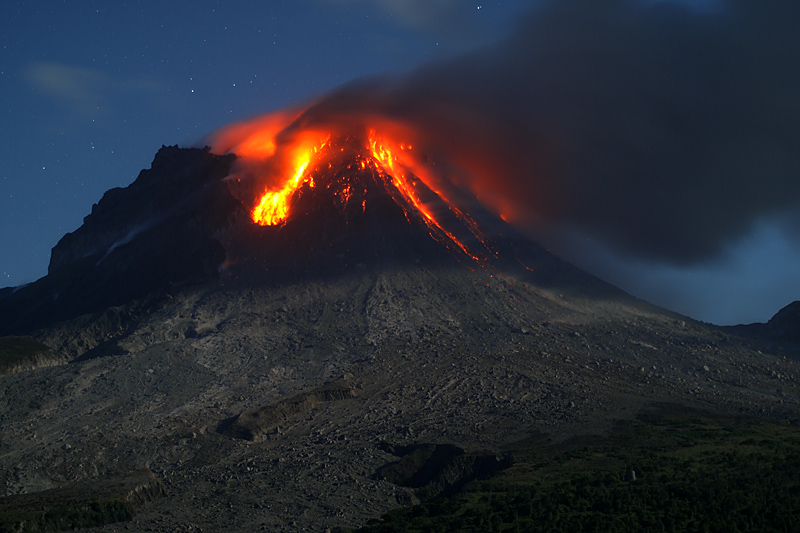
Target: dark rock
(785, 325)
(25, 353)
(148, 238)
(439, 468)
(252, 424)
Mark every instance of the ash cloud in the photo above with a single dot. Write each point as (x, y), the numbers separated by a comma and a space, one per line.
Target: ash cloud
(664, 132)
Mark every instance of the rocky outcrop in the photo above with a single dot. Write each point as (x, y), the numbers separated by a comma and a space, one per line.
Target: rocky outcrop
(154, 235)
(779, 334)
(173, 187)
(89, 504)
(253, 424)
(26, 353)
(785, 325)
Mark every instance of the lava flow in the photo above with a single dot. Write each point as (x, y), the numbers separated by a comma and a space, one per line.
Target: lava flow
(273, 208)
(286, 162)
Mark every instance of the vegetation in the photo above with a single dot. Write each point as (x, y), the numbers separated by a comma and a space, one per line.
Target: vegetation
(15, 350)
(66, 516)
(693, 472)
(90, 503)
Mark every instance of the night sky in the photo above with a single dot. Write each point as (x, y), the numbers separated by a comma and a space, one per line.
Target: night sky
(91, 90)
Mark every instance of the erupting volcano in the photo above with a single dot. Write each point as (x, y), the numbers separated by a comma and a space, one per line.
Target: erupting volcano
(328, 312)
(326, 291)
(352, 172)
(278, 199)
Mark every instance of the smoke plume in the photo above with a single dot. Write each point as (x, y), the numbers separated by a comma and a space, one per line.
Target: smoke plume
(661, 131)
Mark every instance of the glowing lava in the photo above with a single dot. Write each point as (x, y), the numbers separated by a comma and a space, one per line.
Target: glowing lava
(386, 159)
(273, 208)
(282, 148)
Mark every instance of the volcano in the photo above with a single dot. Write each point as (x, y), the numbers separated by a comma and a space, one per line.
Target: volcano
(187, 221)
(261, 339)
(346, 203)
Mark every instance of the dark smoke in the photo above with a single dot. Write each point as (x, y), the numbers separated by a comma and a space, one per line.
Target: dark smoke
(664, 132)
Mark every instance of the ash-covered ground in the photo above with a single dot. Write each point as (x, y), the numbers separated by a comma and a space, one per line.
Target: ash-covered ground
(477, 359)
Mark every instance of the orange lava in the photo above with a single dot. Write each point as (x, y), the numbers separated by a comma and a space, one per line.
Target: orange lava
(273, 207)
(388, 160)
(288, 152)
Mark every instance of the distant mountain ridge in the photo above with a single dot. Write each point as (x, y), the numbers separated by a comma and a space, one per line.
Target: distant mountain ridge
(783, 327)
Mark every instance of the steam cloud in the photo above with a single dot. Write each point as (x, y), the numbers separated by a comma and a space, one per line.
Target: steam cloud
(664, 132)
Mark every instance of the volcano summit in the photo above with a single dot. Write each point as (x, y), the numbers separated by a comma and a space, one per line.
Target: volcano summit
(267, 333)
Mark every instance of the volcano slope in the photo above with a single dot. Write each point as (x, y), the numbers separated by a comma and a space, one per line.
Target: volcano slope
(264, 374)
